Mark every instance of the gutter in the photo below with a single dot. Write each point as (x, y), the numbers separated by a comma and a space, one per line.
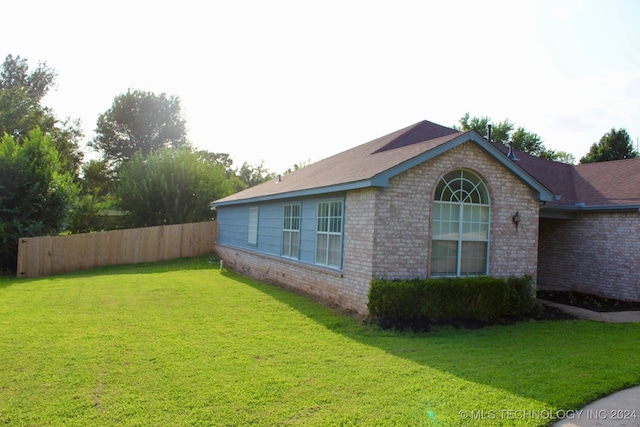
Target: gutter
(338, 188)
(581, 207)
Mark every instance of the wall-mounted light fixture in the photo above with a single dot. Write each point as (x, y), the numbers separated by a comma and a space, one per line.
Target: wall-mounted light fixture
(516, 219)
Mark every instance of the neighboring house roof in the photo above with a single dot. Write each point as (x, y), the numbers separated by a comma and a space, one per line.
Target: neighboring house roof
(590, 186)
(374, 163)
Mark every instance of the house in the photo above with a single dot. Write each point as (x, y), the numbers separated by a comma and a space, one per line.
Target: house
(430, 201)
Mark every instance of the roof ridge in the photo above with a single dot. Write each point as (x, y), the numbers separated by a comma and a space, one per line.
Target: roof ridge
(418, 132)
(606, 163)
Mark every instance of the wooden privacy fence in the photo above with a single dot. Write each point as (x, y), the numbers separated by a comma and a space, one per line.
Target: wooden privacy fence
(46, 255)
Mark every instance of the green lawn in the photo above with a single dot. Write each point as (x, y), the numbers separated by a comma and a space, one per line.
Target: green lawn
(181, 343)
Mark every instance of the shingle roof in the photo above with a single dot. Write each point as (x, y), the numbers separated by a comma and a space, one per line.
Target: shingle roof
(556, 176)
(562, 186)
(603, 184)
(606, 183)
(357, 164)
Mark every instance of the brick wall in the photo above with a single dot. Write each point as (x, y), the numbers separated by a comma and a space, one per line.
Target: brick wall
(596, 253)
(402, 238)
(359, 244)
(386, 233)
(319, 282)
(349, 289)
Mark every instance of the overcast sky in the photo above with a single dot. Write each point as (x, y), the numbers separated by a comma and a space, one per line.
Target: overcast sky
(286, 82)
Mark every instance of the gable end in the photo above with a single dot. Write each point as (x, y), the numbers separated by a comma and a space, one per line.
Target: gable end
(382, 179)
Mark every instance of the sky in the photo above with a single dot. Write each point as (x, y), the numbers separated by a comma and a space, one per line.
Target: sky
(283, 82)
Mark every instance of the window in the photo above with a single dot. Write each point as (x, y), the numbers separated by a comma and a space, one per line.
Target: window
(329, 234)
(291, 231)
(460, 237)
(253, 225)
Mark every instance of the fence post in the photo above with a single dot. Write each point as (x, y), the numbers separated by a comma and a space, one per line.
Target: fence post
(20, 265)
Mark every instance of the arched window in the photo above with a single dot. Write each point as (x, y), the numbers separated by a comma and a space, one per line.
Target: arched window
(460, 237)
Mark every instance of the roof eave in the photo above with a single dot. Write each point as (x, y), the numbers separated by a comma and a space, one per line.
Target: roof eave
(338, 188)
(580, 207)
(612, 208)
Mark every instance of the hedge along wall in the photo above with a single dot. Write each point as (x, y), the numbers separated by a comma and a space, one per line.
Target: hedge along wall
(478, 298)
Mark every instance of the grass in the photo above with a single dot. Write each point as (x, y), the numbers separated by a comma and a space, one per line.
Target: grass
(182, 343)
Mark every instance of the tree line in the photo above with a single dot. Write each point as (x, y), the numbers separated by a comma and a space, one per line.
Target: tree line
(613, 145)
(148, 172)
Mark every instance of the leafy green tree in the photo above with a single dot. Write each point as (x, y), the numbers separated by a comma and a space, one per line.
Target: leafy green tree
(85, 215)
(142, 122)
(247, 175)
(66, 135)
(36, 192)
(526, 141)
(19, 113)
(614, 145)
(21, 109)
(217, 158)
(96, 199)
(252, 175)
(15, 75)
(97, 179)
(297, 166)
(170, 187)
(563, 157)
(499, 132)
(503, 133)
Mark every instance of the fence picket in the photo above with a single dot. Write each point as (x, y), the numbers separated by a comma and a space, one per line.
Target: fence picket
(47, 255)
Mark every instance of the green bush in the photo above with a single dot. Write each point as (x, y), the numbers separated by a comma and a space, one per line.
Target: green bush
(406, 302)
(522, 295)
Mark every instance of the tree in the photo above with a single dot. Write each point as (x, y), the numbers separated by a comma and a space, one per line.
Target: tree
(527, 141)
(614, 145)
(564, 157)
(218, 158)
(299, 165)
(94, 209)
(252, 175)
(503, 133)
(247, 175)
(15, 75)
(97, 179)
(499, 132)
(139, 121)
(36, 192)
(21, 109)
(171, 187)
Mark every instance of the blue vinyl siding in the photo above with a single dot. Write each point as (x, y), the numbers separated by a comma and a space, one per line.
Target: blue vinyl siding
(233, 223)
(309, 213)
(270, 228)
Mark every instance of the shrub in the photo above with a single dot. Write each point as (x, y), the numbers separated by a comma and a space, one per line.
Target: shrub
(522, 295)
(420, 301)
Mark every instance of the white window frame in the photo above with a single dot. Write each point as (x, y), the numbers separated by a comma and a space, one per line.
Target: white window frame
(252, 237)
(291, 230)
(461, 217)
(329, 232)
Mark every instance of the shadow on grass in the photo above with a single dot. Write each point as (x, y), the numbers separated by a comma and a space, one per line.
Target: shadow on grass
(565, 364)
(5, 282)
(562, 363)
